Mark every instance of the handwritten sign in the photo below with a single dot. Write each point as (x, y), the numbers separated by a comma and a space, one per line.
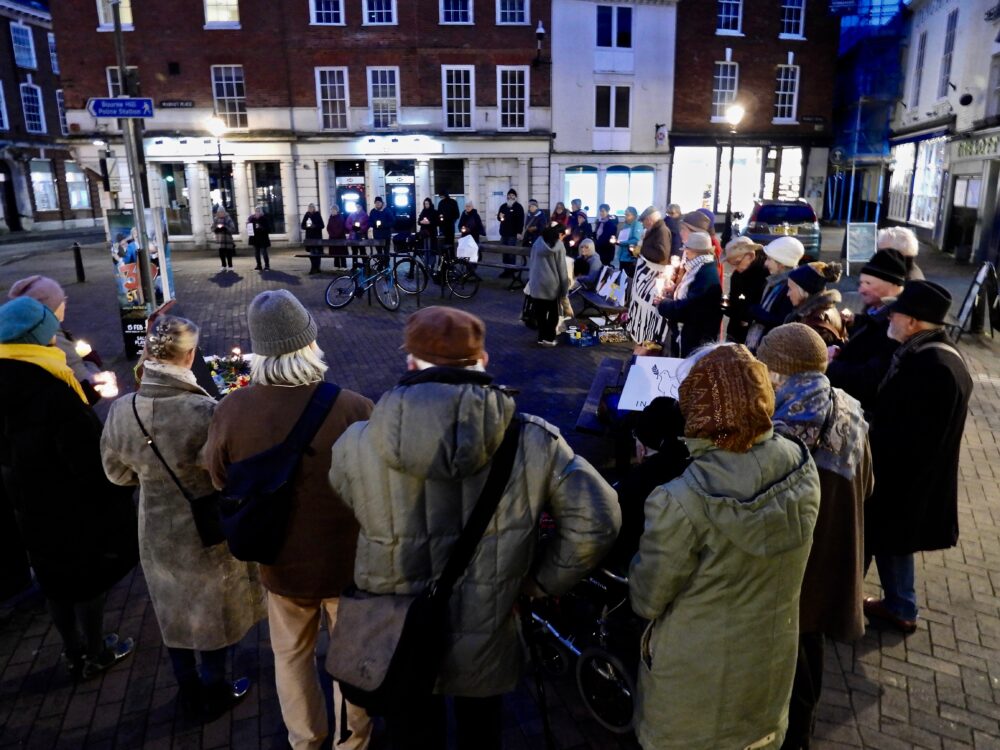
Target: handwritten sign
(649, 378)
(644, 322)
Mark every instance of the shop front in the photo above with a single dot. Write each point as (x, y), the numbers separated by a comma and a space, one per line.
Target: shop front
(918, 179)
(971, 218)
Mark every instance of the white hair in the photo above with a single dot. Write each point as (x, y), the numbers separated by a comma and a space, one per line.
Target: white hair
(899, 238)
(300, 367)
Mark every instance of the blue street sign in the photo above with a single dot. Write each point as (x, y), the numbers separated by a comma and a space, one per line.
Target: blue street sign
(120, 107)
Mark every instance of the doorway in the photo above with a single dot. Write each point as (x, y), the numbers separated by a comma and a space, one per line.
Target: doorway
(496, 195)
(11, 215)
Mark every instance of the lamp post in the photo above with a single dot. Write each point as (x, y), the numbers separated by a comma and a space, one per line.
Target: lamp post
(218, 128)
(734, 115)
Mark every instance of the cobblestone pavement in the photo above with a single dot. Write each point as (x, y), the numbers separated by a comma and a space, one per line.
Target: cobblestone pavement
(938, 688)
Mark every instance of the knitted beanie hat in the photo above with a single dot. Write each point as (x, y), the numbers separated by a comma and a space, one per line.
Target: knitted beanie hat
(813, 277)
(45, 290)
(727, 398)
(788, 251)
(25, 320)
(793, 348)
(279, 324)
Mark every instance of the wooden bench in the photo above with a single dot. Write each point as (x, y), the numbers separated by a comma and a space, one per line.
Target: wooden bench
(497, 248)
(609, 374)
(314, 249)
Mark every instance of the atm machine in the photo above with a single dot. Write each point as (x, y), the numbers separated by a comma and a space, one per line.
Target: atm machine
(402, 197)
(349, 193)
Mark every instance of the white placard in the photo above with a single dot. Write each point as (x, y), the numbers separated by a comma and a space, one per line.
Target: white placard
(649, 378)
(644, 321)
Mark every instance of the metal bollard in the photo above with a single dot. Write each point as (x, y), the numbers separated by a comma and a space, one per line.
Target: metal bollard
(78, 260)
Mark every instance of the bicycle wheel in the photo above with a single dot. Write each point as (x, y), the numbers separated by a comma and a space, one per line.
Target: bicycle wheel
(607, 689)
(411, 276)
(462, 279)
(340, 292)
(386, 292)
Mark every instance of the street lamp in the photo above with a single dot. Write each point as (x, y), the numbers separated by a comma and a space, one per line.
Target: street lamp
(539, 38)
(217, 127)
(734, 115)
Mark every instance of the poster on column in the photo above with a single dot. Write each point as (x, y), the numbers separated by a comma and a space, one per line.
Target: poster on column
(133, 308)
(644, 322)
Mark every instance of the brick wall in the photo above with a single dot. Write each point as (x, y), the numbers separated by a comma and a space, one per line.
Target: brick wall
(758, 53)
(42, 76)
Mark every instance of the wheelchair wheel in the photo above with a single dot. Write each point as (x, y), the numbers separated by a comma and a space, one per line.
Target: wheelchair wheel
(462, 279)
(607, 689)
(340, 292)
(411, 276)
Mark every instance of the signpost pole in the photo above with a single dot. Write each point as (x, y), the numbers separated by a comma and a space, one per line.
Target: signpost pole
(854, 160)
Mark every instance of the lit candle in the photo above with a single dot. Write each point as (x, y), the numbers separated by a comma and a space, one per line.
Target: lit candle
(106, 384)
(571, 243)
(357, 224)
(846, 312)
(614, 240)
(237, 352)
(501, 217)
(661, 283)
(378, 223)
(83, 348)
(463, 230)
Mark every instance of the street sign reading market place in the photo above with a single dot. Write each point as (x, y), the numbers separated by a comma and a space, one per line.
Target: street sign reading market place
(121, 107)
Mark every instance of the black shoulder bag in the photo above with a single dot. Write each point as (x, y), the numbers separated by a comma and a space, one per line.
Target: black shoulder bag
(257, 501)
(205, 510)
(386, 650)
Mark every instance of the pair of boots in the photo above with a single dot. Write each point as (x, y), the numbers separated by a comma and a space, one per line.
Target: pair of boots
(87, 666)
(206, 703)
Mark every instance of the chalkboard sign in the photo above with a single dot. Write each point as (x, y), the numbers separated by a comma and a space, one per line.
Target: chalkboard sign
(986, 272)
(861, 243)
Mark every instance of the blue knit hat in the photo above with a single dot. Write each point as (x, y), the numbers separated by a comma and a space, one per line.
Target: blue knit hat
(27, 321)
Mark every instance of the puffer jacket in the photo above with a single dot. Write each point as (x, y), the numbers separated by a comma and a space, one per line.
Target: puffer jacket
(719, 570)
(412, 475)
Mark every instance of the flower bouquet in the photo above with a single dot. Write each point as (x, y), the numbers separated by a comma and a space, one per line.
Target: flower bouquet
(229, 372)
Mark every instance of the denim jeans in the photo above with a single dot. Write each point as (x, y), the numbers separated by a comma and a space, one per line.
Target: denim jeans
(512, 242)
(896, 574)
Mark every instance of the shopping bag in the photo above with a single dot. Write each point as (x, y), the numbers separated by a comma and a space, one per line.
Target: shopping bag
(467, 249)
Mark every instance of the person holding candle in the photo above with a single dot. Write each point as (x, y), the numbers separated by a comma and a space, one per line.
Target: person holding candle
(224, 228)
(629, 237)
(336, 229)
(312, 225)
(783, 254)
(560, 214)
(382, 220)
(534, 223)
(695, 305)
(471, 224)
(205, 600)
(427, 225)
(447, 209)
(746, 285)
(606, 233)
(357, 226)
(259, 229)
(511, 218)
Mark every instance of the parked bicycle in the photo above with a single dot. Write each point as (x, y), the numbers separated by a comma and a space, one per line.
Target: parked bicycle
(412, 274)
(375, 272)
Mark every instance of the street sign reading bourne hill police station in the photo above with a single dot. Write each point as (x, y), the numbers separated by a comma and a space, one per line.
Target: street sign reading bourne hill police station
(120, 107)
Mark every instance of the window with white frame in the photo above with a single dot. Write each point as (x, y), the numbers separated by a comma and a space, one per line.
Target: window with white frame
(383, 97)
(458, 85)
(61, 109)
(993, 100)
(903, 157)
(512, 12)
(225, 13)
(949, 50)
(4, 122)
(729, 17)
(927, 177)
(331, 98)
(106, 18)
(379, 12)
(614, 26)
(43, 185)
(512, 96)
(34, 110)
(230, 95)
(326, 12)
(24, 46)
(76, 186)
(455, 11)
(612, 105)
(786, 94)
(115, 87)
(725, 82)
(793, 18)
(53, 57)
(918, 71)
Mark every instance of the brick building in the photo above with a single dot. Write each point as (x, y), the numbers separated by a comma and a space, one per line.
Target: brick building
(776, 59)
(325, 101)
(41, 187)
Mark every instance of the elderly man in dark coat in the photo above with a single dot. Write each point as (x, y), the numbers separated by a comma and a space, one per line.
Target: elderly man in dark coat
(916, 435)
(655, 245)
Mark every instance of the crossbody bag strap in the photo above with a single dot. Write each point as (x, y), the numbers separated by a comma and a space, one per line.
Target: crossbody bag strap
(489, 499)
(313, 416)
(156, 451)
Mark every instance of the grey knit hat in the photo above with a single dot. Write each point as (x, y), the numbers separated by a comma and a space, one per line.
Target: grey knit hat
(279, 324)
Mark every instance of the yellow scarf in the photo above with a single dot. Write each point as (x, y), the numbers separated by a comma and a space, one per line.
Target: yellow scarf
(49, 358)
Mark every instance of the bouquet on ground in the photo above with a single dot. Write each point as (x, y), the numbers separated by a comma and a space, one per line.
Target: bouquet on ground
(230, 372)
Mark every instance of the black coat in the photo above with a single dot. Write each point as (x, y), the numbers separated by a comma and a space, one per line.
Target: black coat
(472, 224)
(700, 312)
(533, 226)
(314, 232)
(745, 290)
(916, 436)
(864, 360)
(261, 231)
(430, 229)
(448, 210)
(80, 530)
(511, 219)
(603, 232)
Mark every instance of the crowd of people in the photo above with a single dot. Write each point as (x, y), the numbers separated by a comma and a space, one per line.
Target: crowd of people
(761, 495)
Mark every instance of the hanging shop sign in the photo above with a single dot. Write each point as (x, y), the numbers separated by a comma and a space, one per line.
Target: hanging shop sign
(984, 145)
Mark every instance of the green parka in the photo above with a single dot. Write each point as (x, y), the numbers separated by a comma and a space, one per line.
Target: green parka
(412, 475)
(718, 572)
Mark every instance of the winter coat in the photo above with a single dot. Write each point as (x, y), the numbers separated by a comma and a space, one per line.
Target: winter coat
(336, 227)
(430, 229)
(224, 230)
(676, 246)
(511, 219)
(699, 313)
(412, 475)
(655, 245)
(472, 224)
(448, 211)
(636, 230)
(357, 224)
(382, 223)
(745, 290)
(312, 224)
(261, 231)
(547, 270)
(864, 360)
(561, 216)
(772, 311)
(604, 230)
(594, 266)
(534, 223)
(316, 559)
(819, 312)
(917, 425)
(204, 598)
(78, 528)
(15, 570)
(719, 570)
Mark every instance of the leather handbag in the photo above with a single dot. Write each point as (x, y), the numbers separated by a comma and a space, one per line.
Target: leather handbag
(387, 649)
(204, 510)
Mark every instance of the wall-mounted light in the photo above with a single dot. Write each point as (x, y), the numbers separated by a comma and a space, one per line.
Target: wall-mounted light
(539, 38)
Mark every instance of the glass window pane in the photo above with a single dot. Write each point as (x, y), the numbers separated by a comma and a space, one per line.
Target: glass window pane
(622, 106)
(76, 186)
(604, 25)
(641, 187)
(43, 185)
(581, 182)
(602, 107)
(623, 38)
(267, 193)
(175, 193)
